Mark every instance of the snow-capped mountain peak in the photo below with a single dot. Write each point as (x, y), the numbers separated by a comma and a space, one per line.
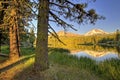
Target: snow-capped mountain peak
(95, 32)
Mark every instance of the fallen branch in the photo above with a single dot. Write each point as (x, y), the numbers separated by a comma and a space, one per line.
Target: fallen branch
(3, 55)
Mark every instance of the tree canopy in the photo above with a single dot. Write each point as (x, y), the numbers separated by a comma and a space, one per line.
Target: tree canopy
(57, 11)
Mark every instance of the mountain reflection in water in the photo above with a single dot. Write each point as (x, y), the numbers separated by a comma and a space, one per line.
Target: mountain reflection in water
(98, 56)
(98, 53)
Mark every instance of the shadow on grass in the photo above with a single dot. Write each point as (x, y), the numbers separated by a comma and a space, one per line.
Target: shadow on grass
(15, 63)
(106, 70)
(62, 67)
(28, 72)
(69, 67)
(3, 59)
(60, 50)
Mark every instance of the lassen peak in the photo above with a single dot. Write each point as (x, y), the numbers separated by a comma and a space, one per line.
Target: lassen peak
(95, 32)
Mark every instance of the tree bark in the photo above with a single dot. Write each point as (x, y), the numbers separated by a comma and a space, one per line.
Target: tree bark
(41, 57)
(14, 36)
(14, 46)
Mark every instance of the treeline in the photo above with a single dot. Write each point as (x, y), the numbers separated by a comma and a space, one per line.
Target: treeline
(112, 39)
(27, 38)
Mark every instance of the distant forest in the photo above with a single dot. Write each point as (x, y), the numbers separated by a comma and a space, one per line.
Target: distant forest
(112, 39)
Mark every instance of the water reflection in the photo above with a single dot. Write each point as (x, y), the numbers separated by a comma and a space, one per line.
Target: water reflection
(98, 56)
(97, 53)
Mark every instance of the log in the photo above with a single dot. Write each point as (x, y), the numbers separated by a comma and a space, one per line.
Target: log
(3, 55)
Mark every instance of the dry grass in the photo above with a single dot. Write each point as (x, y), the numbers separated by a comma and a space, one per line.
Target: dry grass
(10, 71)
(62, 67)
(24, 71)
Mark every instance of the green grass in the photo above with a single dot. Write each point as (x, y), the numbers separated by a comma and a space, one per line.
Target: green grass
(23, 51)
(107, 70)
(27, 51)
(110, 69)
(5, 49)
(64, 66)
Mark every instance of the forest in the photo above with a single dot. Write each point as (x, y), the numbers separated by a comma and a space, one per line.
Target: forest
(112, 39)
(27, 52)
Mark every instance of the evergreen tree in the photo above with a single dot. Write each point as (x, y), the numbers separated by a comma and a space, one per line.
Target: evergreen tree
(117, 35)
(32, 36)
(56, 11)
(16, 14)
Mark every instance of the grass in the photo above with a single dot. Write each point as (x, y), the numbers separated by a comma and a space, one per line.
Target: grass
(63, 67)
(110, 69)
(5, 49)
(27, 51)
(107, 70)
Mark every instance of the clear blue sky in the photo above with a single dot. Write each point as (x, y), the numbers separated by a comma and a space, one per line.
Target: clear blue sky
(108, 8)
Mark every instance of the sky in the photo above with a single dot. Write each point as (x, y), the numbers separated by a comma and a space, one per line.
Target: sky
(110, 9)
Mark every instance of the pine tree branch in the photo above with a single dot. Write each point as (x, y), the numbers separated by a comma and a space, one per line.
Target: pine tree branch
(62, 6)
(53, 30)
(70, 2)
(56, 37)
(52, 20)
(32, 24)
(31, 8)
(61, 22)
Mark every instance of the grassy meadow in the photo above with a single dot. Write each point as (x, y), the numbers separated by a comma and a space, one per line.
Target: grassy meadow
(62, 66)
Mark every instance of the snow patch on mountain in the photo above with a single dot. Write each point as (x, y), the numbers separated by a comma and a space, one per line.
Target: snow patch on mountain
(95, 32)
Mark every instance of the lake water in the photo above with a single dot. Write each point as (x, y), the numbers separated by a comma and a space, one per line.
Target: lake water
(95, 52)
(98, 53)
(96, 56)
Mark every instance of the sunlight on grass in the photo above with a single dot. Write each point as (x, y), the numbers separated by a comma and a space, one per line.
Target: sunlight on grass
(63, 66)
(16, 68)
(28, 62)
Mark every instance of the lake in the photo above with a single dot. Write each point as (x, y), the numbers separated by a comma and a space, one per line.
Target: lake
(98, 56)
(97, 53)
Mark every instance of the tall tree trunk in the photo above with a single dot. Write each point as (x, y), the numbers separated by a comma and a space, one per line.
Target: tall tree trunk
(41, 58)
(14, 46)
(14, 36)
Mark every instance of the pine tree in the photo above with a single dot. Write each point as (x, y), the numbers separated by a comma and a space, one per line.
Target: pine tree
(32, 36)
(56, 11)
(117, 35)
(16, 14)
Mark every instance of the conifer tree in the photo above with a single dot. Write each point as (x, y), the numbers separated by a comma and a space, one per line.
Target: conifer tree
(16, 14)
(117, 35)
(57, 11)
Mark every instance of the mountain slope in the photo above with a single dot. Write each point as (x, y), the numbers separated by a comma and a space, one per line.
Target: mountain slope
(63, 33)
(95, 32)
